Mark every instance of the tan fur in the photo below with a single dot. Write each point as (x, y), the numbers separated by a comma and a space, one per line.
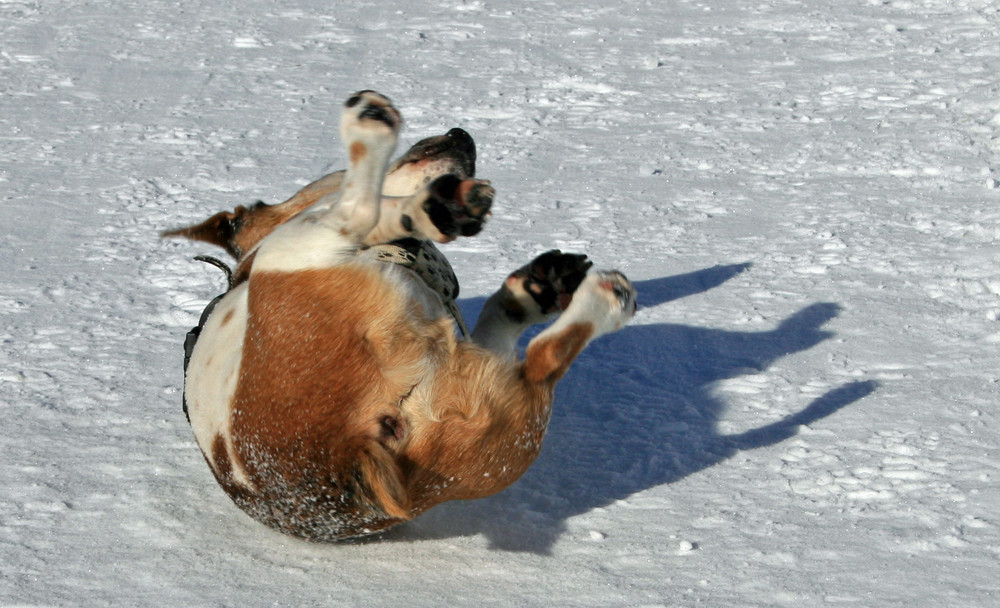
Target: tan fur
(357, 152)
(547, 360)
(315, 386)
(239, 231)
(355, 407)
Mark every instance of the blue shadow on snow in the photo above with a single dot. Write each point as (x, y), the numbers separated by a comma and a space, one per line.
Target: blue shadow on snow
(637, 411)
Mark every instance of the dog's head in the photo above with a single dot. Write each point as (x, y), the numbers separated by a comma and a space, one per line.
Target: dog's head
(238, 231)
(454, 152)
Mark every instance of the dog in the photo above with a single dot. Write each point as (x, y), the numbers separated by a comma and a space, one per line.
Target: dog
(329, 389)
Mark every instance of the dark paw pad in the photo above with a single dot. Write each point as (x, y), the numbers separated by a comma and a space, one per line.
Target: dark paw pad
(552, 277)
(458, 207)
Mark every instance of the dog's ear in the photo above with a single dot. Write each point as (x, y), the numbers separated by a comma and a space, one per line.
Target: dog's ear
(381, 481)
(220, 229)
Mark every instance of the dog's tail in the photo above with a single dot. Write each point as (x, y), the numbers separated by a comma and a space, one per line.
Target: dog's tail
(219, 230)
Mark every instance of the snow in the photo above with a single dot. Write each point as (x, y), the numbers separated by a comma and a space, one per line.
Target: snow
(805, 193)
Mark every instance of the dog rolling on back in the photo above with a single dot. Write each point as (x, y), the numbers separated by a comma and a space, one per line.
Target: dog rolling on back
(330, 392)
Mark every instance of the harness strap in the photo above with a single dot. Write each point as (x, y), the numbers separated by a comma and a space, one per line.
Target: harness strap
(423, 258)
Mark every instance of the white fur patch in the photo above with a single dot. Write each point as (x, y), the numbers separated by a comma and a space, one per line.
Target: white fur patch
(213, 373)
(595, 302)
(409, 180)
(304, 243)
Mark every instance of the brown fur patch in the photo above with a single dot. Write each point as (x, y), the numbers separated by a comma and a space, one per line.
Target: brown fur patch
(382, 475)
(242, 272)
(222, 467)
(220, 459)
(548, 359)
(487, 428)
(240, 230)
(319, 374)
(357, 152)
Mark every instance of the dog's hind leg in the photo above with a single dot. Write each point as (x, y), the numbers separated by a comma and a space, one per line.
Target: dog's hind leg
(332, 229)
(603, 303)
(531, 294)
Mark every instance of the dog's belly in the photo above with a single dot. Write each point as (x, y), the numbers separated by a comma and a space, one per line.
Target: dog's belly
(212, 378)
(214, 370)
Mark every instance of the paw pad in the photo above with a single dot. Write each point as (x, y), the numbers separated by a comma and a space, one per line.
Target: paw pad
(552, 277)
(374, 106)
(458, 207)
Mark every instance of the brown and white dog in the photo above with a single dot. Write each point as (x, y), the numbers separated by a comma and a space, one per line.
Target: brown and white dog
(329, 391)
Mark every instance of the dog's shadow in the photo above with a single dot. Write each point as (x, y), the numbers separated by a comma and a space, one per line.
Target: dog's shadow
(637, 411)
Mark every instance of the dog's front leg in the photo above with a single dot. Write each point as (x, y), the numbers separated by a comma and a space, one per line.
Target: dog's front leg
(603, 303)
(333, 228)
(445, 209)
(532, 294)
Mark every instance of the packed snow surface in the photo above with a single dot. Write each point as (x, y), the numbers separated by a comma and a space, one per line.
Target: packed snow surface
(806, 194)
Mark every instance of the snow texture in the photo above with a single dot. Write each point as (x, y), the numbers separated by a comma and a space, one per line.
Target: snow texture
(803, 413)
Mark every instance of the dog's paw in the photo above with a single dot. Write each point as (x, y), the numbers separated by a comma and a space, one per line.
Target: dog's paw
(607, 299)
(551, 278)
(617, 285)
(369, 109)
(458, 207)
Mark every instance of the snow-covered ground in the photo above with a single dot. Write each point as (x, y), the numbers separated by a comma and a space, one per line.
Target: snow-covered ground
(807, 195)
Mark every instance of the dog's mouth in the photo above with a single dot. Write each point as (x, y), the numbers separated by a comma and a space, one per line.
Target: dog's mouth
(456, 146)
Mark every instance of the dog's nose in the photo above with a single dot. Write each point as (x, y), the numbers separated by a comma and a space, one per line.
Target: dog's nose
(463, 141)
